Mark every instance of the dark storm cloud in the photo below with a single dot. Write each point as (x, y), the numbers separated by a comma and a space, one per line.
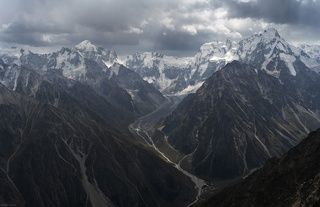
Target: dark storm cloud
(171, 25)
(108, 22)
(303, 12)
(178, 40)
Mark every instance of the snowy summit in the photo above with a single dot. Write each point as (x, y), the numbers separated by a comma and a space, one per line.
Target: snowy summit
(86, 45)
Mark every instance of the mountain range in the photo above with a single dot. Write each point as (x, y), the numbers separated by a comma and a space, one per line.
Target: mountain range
(175, 75)
(67, 117)
(184, 75)
(96, 67)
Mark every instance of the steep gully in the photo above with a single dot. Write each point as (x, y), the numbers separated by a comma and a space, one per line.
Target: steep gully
(144, 125)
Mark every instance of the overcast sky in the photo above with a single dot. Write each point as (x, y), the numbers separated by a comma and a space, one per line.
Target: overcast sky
(172, 26)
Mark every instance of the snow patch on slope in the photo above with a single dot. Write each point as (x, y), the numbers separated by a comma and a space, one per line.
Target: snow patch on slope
(107, 63)
(190, 89)
(114, 70)
(289, 60)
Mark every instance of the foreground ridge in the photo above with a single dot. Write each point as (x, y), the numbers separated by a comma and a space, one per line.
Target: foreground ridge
(292, 180)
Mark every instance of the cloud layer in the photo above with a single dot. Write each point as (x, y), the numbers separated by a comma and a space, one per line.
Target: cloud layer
(179, 26)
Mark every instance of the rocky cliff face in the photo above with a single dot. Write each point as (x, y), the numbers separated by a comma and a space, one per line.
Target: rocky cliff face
(292, 180)
(242, 116)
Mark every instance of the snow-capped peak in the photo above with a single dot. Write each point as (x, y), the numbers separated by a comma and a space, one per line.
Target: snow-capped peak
(86, 45)
(270, 33)
(216, 51)
(268, 38)
(99, 54)
(266, 49)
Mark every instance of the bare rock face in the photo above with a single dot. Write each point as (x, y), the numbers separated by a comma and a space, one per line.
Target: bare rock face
(292, 180)
(242, 116)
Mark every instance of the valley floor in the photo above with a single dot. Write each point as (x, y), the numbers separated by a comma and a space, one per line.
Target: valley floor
(146, 129)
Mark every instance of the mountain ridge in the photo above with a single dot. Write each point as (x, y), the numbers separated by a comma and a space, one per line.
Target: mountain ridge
(242, 116)
(292, 180)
